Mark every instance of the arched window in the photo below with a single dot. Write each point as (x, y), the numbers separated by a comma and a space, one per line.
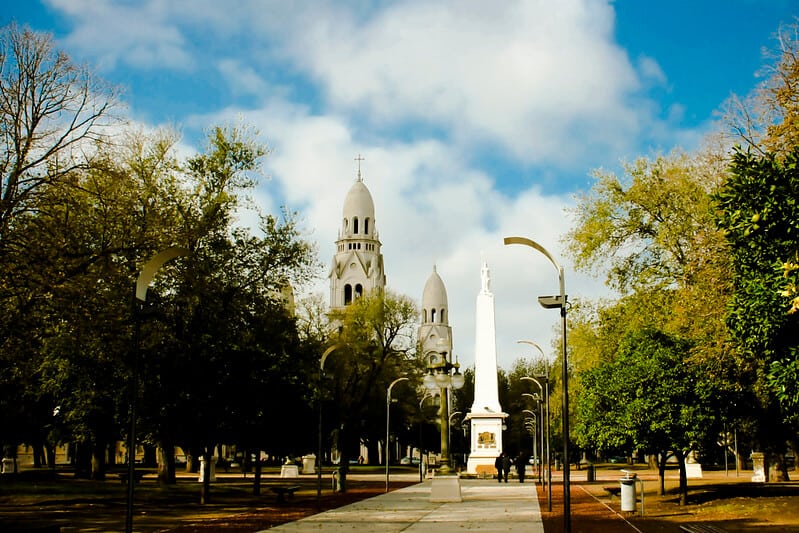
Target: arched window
(443, 316)
(424, 316)
(366, 226)
(347, 294)
(432, 315)
(346, 225)
(358, 290)
(355, 225)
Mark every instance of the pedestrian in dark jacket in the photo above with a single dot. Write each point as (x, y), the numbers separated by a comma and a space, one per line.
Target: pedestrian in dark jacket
(506, 462)
(521, 466)
(498, 466)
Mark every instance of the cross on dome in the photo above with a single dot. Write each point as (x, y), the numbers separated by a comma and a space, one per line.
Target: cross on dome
(359, 159)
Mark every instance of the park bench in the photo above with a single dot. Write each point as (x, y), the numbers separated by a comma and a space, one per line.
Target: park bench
(137, 476)
(282, 490)
(698, 527)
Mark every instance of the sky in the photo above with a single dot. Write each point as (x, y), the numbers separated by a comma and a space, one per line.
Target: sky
(476, 120)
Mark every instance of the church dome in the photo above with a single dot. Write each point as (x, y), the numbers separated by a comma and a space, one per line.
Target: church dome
(435, 293)
(359, 203)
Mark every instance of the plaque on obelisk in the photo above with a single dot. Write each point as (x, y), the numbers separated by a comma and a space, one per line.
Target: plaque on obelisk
(486, 416)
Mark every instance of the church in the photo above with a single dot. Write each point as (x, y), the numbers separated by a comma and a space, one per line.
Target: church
(358, 268)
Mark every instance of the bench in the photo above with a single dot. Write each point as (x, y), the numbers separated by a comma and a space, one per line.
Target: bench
(282, 490)
(137, 476)
(698, 527)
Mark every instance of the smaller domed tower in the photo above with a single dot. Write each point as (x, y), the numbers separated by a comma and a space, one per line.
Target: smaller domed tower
(435, 332)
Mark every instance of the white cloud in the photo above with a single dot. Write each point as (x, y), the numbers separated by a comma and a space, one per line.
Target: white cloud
(138, 35)
(520, 74)
(542, 84)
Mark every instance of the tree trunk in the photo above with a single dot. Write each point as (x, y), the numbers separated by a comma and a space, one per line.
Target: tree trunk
(663, 457)
(205, 494)
(166, 464)
(98, 461)
(150, 456)
(191, 462)
(777, 469)
(256, 483)
(372, 453)
(38, 455)
(683, 478)
(50, 453)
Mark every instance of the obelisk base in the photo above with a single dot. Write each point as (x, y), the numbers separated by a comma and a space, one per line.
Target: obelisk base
(486, 442)
(446, 489)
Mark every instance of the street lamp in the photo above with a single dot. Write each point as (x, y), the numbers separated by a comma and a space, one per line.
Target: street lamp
(443, 376)
(449, 426)
(545, 425)
(146, 276)
(387, 451)
(557, 302)
(319, 402)
(425, 396)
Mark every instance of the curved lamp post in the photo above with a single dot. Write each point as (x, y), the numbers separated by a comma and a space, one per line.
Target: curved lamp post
(449, 427)
(425, 396)
(545, 427)
(387, 453)
(322, 360)
(557, 302)
(146, 276)
(442, 376)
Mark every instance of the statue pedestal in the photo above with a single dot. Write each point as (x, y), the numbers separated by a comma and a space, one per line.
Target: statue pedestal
(446, 489)
(758, 467)
(289, 471)
(486, 442)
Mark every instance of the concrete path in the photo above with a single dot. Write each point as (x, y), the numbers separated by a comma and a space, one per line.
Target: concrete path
(487, 506)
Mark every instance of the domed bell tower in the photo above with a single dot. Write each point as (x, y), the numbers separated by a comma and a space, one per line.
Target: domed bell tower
(357, 267)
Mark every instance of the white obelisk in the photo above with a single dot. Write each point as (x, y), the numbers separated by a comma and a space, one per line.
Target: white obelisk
(486, 416)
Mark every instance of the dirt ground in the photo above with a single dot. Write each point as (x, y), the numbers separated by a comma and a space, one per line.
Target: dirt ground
(722, 499)
(49, 504)
(31, 504)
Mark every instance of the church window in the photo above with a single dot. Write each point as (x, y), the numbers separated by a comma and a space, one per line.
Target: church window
(366, 226)
(347, 294)
(443, 319)
(358, 290)
(346, 225)
(424, 316)
(432, 315)
(355, 225)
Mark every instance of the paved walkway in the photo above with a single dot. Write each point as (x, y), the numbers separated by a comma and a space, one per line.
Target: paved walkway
(486, 506)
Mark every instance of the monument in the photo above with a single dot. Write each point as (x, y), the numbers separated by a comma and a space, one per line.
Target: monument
(486, 417)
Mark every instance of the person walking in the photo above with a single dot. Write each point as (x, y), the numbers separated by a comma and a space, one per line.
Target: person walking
(498, 466)
(506, 462)
(521, 466)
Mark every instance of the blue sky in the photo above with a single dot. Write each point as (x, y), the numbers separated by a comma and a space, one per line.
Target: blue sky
(477, 120)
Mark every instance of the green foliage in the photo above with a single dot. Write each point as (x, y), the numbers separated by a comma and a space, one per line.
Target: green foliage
(645, 398)
(759, 213)
(641, 227)
(376, 344)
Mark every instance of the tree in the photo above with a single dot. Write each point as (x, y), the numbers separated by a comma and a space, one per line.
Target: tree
(376, 344)
(646, 398)
(767, 120)
(49, 107)
(73, 286)
(227, 332)
(759, 214)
